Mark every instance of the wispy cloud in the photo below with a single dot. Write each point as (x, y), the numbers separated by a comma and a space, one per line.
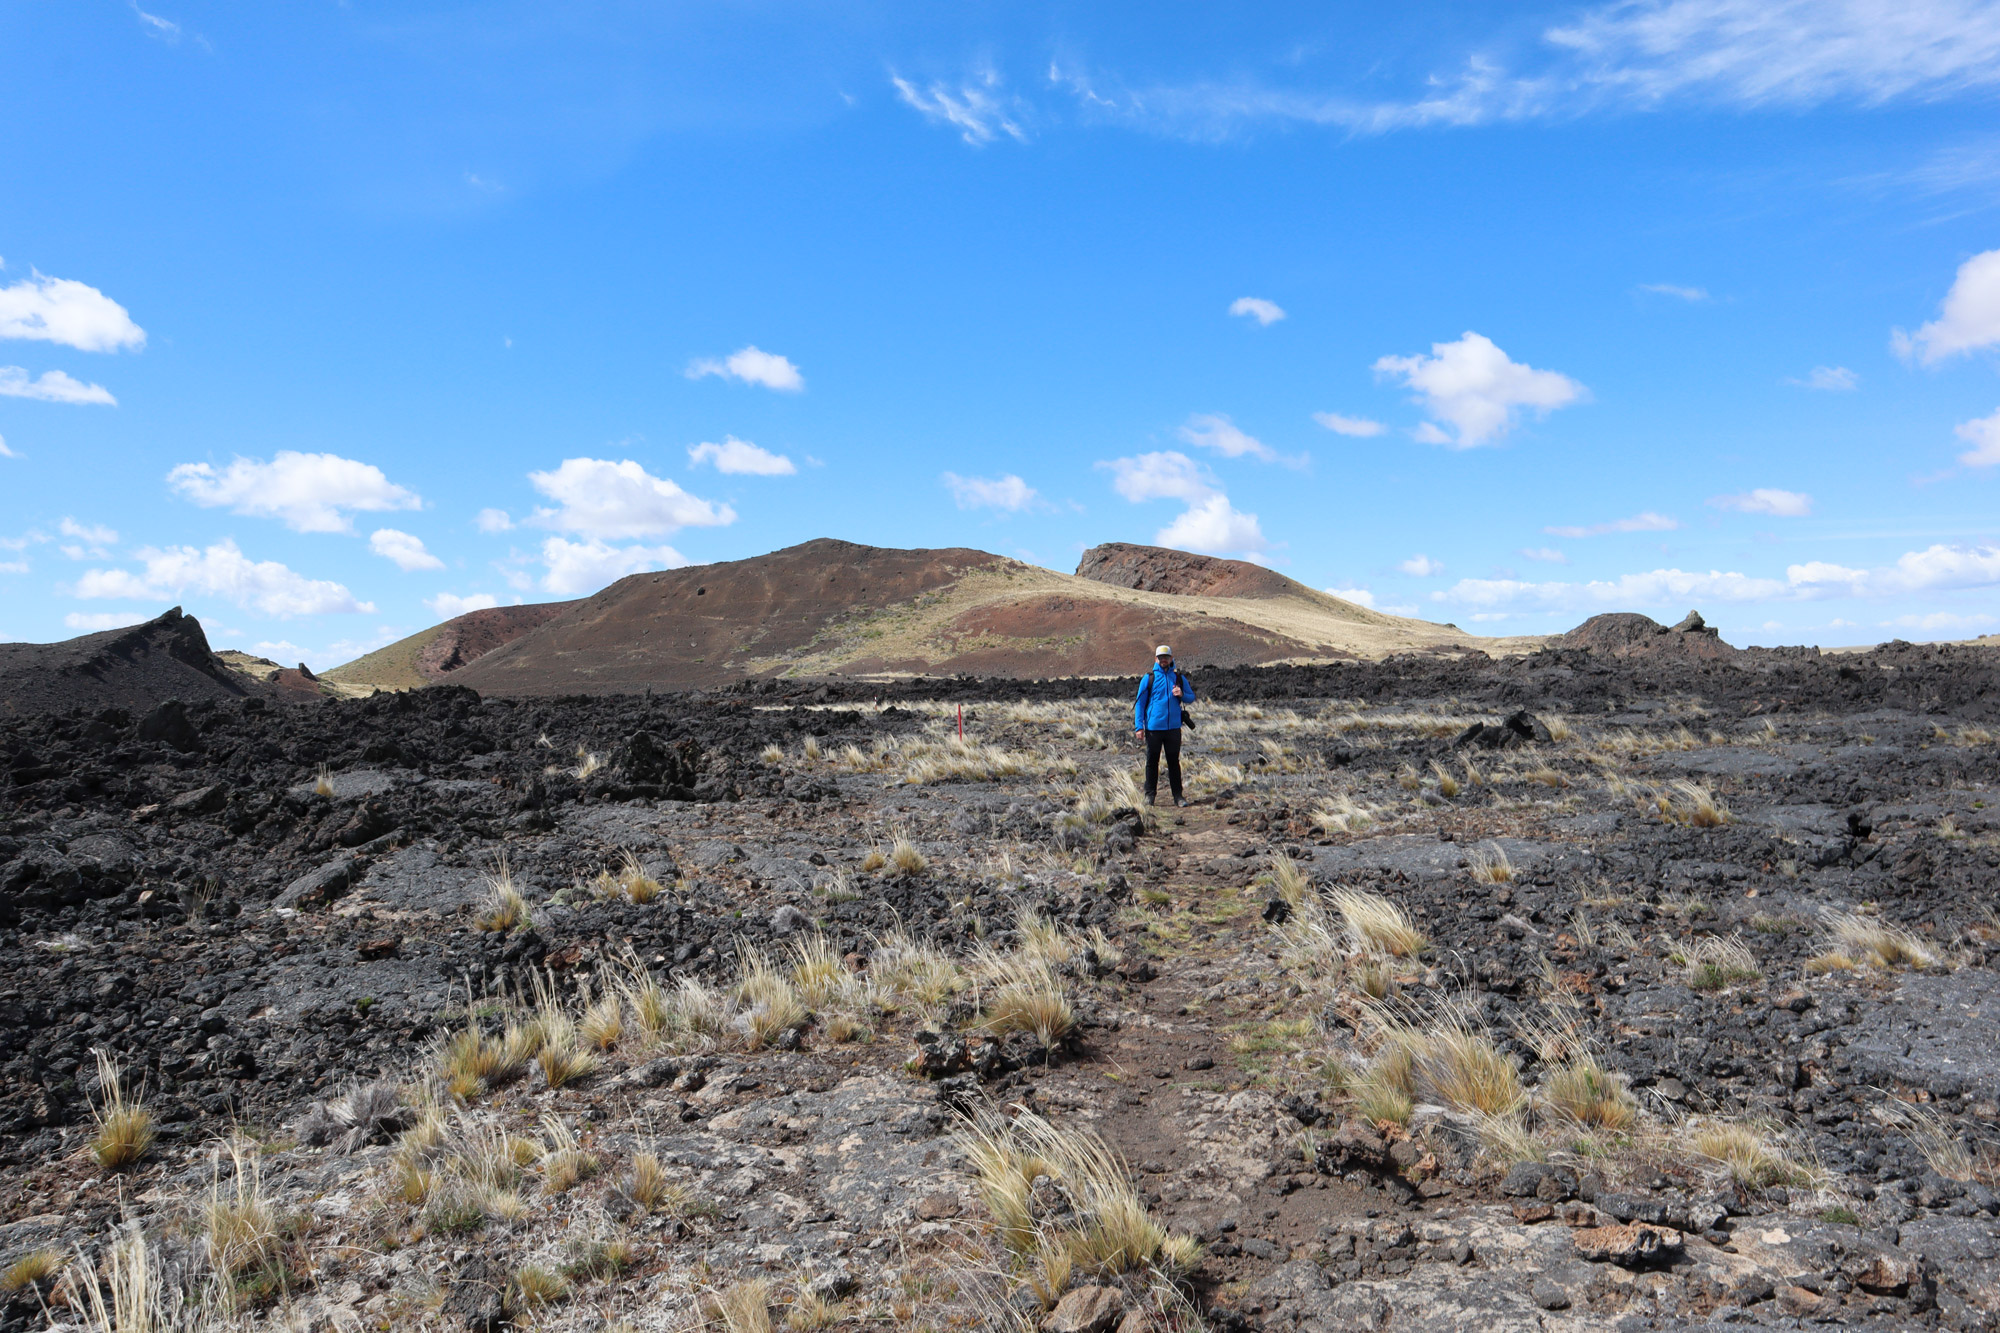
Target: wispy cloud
(740, 458)
(53, 386)
(1422, 567)
(447, 605)
(1546, 554)
(1215, 431)
(1008, 494)
(1766, 500)
(1828, 379)
(1983, 434)
(975, 107)
(1646, 522)
(1679, 293)
(751, 365)
(1358, 427)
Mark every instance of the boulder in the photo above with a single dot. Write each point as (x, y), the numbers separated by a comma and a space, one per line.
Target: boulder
(1628, 1245)
(1087, 1309)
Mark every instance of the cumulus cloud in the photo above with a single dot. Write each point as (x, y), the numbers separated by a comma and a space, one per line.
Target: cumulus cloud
(1213, 430)
(976, 108)
(96, 622)
(1675, 290)
(1546, 554)
(5, 452)
(751, 366)
(406, 550)
(307, 492)
(1358, 427)
(1477, 389)
(1938, 568)
(1983, 434)
(1168, 475)
(493, 520)
(602, 499)
(88, 541)
(1264, 312)
(52, 387)
(222, 571)
(1358, 596)
(1421, 567)
(58, 310)
(447, 605)
(1215, 527)
(1968, 320)
(575, 569)
(1938, 620)
(740, 458)
(1765, 500)
(1009, 494)
(1828, 379)
(1646, 522)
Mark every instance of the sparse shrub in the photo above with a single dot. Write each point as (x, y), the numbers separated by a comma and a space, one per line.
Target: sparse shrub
(124, 1124)
(1718, 961)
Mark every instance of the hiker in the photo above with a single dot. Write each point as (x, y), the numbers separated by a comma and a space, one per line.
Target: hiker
(1156, 720)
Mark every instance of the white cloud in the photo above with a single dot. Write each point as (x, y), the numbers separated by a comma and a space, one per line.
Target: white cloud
(221, 571)
(1689, 294)
(58, 310)
(447, 605)
(1476, 388)
(1358, 596)
(1968, 320)
(306, 491)
(493, 520)
(579, 568)
(1421, 567)
(1264, 312)
(1765, 500)
(53, 387)
(976, 109)
(1937, 620)
(1215, 527)
(740, 458)
(5, 452)
(1546, 554)
(1983, 434)
(96, 622)
(1828, 379)
(1359, 427)
(87, 541)
(406, 550)
(1646, 522)
(166, 30)
(602, 499)
(1009, 493)
(1213, 430)
(1169, 475)
(751, 366)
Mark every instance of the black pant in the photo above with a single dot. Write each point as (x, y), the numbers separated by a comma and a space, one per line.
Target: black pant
(1170, 741)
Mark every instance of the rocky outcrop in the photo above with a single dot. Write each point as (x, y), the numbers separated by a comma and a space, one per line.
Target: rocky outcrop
(1161, 569)
(1629, 634)
(167, 657)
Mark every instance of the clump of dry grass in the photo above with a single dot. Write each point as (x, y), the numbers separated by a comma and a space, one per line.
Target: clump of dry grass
(1464, 1069)
(1100, 1224)
(472, 1062)
(874, 860)
(505, 908)
(1343, 815)
(1932, 1138)
(1716, 962)
(534, 1287)
(905, 859)
(1289, 880)
(323, 781)
(1867, 940)
(648, 1185)
(1752, 1154)
(1447, 781)
(1375, 923)
(124, 1124)
(30, 1270)
(769, 1004)
(1489, 865)
(564, 1165)
(630, 882)
(742, 1308)
(603, 1021)
(903, 968)
(1025, 995)
(239, 1225)
(129, 1292)
(1691, 805)
(562, 1056)
(1584, 1091)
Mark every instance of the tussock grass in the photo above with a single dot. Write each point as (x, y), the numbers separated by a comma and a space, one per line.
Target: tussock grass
(30, 1270)
(603, 1022)
(1489, 864)
(1102, 1227)
(744, 1307)
(874, 860)
(239, 1224)
(564, 1165)
(1374, 923)
(1833, 960)
(649, 1186)
(1408, 779)
(124, 1124)
(1289, 880)
(1343, 815)
(1931, 1137)
(1752, 1153)
(323, 781)
(1716, 962)
(1868, 940)
(1026, 996)
(905, 968)
(535, 1287)
(1464, 1069)
(504, 908)
(1544, 774)
(129, 1292)
(1584, 1091)
(1447, 781)
(1691, 805)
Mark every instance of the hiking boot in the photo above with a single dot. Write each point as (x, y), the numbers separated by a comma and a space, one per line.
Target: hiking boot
(1179, 802)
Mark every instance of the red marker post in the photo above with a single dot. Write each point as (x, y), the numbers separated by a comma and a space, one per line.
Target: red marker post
(961, 722)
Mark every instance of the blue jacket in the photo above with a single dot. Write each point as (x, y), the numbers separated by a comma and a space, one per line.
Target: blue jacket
(1155, 708)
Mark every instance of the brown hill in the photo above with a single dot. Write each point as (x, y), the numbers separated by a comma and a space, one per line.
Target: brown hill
(1629, 634)
(1162, 569)
(836, 608)
(135, 667)
(433, 655)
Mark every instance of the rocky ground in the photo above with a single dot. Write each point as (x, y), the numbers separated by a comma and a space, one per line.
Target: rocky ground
(1666, 1002)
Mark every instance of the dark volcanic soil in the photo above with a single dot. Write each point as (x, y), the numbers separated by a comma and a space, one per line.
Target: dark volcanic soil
(243, 943)
(136, 667)
(1162, 569)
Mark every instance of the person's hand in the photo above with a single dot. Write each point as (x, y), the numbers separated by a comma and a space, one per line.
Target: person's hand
(1177, 691)
(1140, 732)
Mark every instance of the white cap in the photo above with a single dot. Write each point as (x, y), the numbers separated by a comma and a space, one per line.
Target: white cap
(1163, 651)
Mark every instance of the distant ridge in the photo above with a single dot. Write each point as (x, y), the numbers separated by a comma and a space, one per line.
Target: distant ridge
(167, 657)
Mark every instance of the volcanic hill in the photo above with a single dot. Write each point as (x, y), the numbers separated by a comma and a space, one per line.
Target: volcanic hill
(830, 607)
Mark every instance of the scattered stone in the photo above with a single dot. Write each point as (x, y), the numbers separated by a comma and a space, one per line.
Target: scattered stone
(1628, 1245)
(1549, 1294)
(1086, 1309)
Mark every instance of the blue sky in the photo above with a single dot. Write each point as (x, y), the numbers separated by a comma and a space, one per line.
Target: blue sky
(327, 320)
